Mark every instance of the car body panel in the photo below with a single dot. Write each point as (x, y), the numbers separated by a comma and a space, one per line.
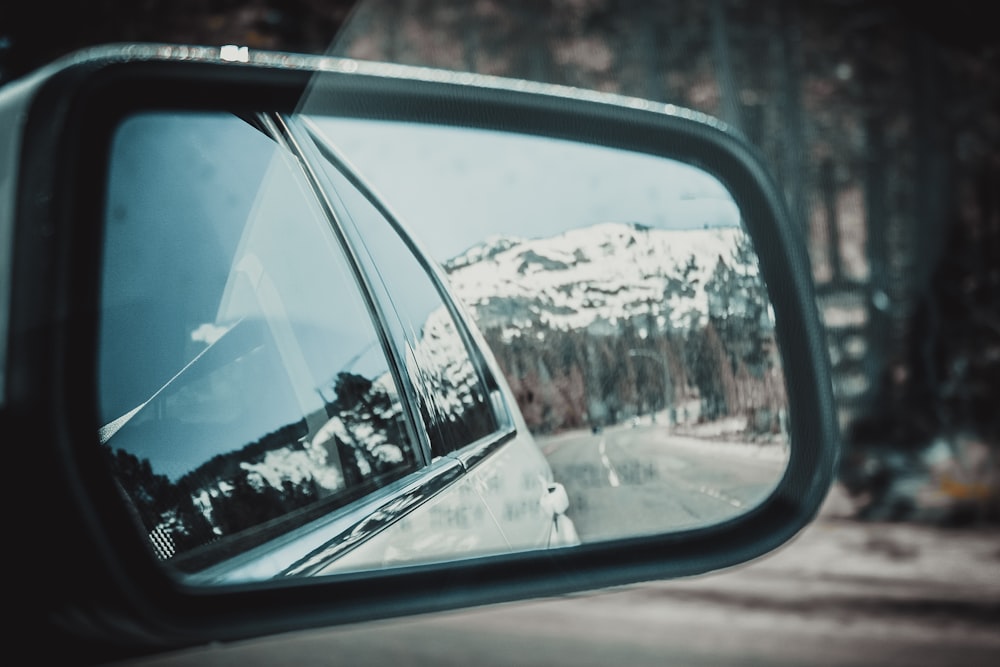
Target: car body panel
(453, 524)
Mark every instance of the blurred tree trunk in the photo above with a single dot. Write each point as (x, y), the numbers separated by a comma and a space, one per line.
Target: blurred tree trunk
(876, 215)
(932, 160)
(728, 92)
(785, 65)
(645, 47)
(828, 193)
(933, 179)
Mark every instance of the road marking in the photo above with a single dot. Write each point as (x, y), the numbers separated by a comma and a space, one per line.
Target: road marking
(719, 495)
(613, 480)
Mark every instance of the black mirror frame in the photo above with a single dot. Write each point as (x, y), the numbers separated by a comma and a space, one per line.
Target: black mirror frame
(114, 597)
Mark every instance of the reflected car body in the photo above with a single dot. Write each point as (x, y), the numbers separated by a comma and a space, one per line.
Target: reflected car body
(329, 405)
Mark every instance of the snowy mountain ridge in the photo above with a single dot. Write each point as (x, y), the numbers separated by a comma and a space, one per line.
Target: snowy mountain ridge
(593, 277)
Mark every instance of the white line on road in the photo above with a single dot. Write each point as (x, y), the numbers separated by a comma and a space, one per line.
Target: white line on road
(719, 495)
(613, 480)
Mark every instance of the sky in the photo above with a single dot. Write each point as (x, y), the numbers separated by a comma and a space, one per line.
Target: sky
(453, 187)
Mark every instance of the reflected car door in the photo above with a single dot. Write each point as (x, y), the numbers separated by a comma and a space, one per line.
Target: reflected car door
(464, 400)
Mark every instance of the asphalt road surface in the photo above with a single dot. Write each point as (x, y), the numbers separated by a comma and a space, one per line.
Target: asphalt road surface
(627, 481)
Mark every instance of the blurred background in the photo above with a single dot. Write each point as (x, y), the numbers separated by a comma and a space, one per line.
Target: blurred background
(881, 122)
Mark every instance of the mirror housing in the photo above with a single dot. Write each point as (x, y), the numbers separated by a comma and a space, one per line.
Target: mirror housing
(83, 553)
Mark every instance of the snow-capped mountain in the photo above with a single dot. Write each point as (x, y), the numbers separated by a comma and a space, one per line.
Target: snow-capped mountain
(591, 278)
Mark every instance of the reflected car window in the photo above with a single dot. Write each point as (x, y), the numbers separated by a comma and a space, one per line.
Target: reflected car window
(244, 387)
(455, 399)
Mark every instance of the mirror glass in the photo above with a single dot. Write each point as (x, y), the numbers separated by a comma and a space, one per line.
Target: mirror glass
(386, 343)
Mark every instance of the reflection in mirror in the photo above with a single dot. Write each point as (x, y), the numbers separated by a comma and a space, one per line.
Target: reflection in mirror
(243, 389)
(622, 300)
(330, 344)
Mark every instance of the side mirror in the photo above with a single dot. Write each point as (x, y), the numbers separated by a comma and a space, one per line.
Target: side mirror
(303, 340)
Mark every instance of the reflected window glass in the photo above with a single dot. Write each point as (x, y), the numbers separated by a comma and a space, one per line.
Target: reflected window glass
(454, 399)
(244, 388)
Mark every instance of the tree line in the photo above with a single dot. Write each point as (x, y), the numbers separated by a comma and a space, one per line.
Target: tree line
(722, 365)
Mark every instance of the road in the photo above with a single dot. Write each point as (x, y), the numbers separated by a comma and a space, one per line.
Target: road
(843, 593)
(628, 481)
